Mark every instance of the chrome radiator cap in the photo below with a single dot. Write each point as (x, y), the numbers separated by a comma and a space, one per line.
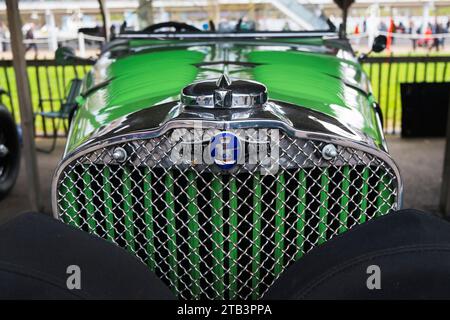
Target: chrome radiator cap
(224, 93)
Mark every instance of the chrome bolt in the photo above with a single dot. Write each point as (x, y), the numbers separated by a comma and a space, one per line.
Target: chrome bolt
(329, 152)
(3, 150)
(120, 154)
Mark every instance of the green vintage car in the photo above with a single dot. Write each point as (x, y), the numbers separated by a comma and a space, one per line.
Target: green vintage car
(220, 159)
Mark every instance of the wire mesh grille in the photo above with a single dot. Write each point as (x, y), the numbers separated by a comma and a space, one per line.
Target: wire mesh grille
(222, 235)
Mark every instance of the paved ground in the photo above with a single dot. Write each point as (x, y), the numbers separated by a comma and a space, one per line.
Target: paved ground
(420, 162)
(17, 201)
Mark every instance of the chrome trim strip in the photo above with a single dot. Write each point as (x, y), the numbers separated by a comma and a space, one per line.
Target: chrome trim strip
(223, 125)
(228, 35)
(207, 42)
(292, 117)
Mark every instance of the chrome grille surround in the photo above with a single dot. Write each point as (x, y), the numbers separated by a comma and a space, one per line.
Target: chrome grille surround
(223, 235)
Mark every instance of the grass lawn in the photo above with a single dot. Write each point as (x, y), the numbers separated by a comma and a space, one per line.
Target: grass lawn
(51, 82)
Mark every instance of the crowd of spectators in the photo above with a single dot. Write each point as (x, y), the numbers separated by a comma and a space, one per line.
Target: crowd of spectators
(428, 41)
(420, 36)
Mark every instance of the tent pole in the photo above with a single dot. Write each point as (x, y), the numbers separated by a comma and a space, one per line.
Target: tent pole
(344, 5)
(25, 105)
(105, 19)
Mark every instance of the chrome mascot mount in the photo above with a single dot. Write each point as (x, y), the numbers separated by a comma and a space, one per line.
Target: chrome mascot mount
(224, 93)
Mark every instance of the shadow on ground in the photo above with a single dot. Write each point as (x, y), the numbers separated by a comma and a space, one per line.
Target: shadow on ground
(420, 162)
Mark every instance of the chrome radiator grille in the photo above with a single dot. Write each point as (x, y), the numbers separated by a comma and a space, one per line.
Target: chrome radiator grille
(222, 235)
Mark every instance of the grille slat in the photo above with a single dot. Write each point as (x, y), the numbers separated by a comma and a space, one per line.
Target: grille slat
(210, 233)
(384, 199)
(108, 203)
(171, 229)
(69, 202)
(217, 236)
(323, 209)
(89, 198)
(149, 218)
(345, 198)
(233, 240)
(279, 224)
(364, 192)
(256, 233)
(128, 209)
(301, 209)
(194, 240)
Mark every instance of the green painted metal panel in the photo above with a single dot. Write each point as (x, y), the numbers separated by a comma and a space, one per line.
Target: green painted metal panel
(148, 219)
(364, 193)
(194, 240)
(323, 210)
(137, 81)
(128, 208)
(132, 83)
(301, 212)
(345, 198)
(233, 240)
(171, 229)
(69, 201)
(108, 203)
(299, 78)
(256, 233)
(279, 224)
(89, 198)
(217, 237)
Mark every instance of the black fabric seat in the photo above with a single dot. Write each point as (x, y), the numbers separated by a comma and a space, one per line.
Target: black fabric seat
(36, 250)
(411, 248)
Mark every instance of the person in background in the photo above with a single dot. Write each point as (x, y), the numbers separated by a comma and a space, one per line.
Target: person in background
(29, 35)
(356, 33)
(412, 32)
(438, 29)
(435, 41)
(428, 33)
(444, 30)
(390, 38)
(392, 29)
(382, 26)
(123, 27)
(112, 32)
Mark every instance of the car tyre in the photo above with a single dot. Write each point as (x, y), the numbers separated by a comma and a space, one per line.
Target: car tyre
(9, 161)
(402, 255)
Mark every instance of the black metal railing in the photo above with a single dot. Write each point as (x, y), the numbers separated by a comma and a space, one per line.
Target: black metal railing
(48, 85)
(387, 73)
